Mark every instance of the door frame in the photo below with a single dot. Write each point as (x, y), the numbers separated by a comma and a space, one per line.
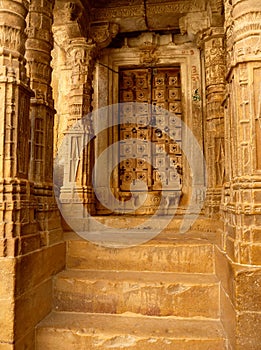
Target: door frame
(106, 92)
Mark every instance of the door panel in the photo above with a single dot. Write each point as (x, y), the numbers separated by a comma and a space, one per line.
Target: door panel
(154, 153)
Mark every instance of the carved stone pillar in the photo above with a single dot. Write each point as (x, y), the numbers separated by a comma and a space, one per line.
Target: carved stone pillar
(75, 53)
(16, 206)
(77, 178)
(241, 197)
(241, 202)
(213, 49)
(38, 55)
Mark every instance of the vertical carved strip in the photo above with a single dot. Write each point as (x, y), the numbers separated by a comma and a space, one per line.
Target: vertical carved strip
(14, 90)
(78, 167)
(257, 102)
(16, 204)
(38, 55)
(214, 126)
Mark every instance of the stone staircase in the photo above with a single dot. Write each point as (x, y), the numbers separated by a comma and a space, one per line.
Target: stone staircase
(161, 295)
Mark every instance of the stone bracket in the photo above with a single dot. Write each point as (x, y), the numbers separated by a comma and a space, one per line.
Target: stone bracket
(194, 22)
(102, 33)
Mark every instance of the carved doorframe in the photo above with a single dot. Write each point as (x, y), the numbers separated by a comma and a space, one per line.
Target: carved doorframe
(106, 91)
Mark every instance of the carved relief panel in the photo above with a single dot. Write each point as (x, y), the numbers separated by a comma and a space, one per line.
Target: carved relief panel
(153, 131)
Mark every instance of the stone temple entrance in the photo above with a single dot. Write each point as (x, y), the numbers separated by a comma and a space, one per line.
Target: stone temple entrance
(154, 87)
(64, 60)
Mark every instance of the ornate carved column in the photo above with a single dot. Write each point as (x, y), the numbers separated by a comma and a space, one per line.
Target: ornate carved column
(241, 197)
(215, 67)
(76, 55)
(77, 179)
(38, 55)
(241, 201)
(16, 206)
(207, 27)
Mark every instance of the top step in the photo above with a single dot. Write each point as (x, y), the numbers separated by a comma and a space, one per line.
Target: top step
(181, 254)
(169, 250)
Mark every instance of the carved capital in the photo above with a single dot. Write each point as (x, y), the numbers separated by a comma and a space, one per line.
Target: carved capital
(103, 32)
(70, 21)
(80, 51)
(12, 28)
(215, 61)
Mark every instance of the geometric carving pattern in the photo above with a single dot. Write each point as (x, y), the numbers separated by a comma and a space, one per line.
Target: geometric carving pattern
(220, 160)
(150, 137)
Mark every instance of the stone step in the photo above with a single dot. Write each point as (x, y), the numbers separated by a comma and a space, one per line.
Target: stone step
(80, 331)
(174, 223)
(147, 293)
(181, 255)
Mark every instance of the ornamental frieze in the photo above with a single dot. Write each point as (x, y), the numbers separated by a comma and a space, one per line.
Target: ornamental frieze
(151, 9)
(177, 7)
(109, 13)
(248, 24)
(41, 34)
(12, 38)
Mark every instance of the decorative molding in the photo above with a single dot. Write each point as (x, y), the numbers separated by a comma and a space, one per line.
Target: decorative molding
(176, 7)
(40, 34)
(165, 7)
(246, 25)
(12, 38)
(99, 14)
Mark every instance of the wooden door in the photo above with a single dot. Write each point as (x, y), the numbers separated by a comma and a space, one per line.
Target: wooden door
(150, 136)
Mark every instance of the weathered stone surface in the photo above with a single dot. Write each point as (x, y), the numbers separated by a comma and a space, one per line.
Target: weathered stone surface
(6, 320)
(38, 266)
(248, 335)
(155, 294)
(37, 302)
(30, 243)
(224, 271)
(6, 346)
(7, 284)
(228, 317)
(247, 293)
(175, 257)
(27, 342)
(7, 277)
(139, 333)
